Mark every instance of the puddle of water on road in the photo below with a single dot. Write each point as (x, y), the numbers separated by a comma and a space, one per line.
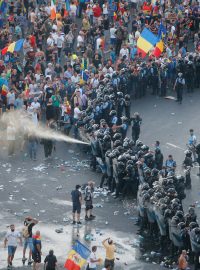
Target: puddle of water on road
(61, 202)
(19, 179)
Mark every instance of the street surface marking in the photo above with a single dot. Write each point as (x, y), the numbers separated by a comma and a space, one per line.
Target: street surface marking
(175, 146)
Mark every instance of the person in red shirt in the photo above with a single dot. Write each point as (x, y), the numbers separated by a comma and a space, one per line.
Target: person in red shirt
(97, 12)
(32, 41)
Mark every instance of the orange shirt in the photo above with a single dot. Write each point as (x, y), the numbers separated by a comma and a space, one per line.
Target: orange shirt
(182, 262)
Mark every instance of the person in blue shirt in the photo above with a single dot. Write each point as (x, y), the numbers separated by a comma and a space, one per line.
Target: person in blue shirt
(157, 145)
(170, 165)
(113, 56)
(123, 127)
(113, 118)
(192, 142)
(133, 52)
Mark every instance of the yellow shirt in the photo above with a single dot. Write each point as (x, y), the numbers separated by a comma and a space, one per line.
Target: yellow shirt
(110, 250)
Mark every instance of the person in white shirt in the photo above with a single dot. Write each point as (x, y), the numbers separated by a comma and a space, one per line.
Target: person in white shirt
(105, 8)
(60, 42)
(98, 43)
(50, 41)
(92, 261)
(113, 35)
(11, 241)
(95, 81)
(80, 39)
(173, 30)
(73, 10)
(124, 52)
(75, 78)
(49, 70)
(137, 34)
(55, 36)
(10, 98)
(11, 131)
(48, 9)
(36, 106)
(77, 113)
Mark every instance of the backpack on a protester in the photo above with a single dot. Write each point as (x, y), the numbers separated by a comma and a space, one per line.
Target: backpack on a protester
(25, 232)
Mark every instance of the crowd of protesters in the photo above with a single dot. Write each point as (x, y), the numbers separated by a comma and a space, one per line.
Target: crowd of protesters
(63, 61)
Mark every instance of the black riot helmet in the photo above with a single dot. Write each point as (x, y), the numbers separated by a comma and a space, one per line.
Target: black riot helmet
(167, 213)
(113, 113)
(193, 225)
(127, 97)
(117, 136)
(197, 230)
(154, 172)
(122, 158)
(175, 220)
(107, 138)
(129, 168)
(121, 165)
(145, 186)
(181, 225)
(117, 143)
(180, 214)
(188, 153)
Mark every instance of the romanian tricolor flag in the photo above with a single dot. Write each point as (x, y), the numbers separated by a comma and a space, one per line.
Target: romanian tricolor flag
(147, 8)
(145, 42)
(13, 47)
(159, 48)
(53, 10)
(4, 90)
(115, 16)
(77, 257)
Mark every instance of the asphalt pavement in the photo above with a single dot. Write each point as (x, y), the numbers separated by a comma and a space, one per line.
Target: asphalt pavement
(42, 188)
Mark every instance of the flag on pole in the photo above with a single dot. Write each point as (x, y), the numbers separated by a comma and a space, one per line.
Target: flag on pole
(77, 257)
(53, 10)
(159, 48)
(145, 42)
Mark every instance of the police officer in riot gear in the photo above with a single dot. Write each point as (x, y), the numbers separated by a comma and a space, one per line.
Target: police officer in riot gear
(178, 87)
(137, 121)
(127, 106)
(187, 164)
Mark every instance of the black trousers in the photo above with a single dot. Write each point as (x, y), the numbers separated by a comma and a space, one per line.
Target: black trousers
(118, 46)
(135, 134)
(109, 262)
(179, 93)
(48, 147)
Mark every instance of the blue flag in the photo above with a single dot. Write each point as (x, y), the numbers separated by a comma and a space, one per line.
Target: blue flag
(162, 31)
(67, 5)
(18, 45)
(82, 250)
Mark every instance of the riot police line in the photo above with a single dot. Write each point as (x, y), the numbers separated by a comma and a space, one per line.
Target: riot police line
(128, 166)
